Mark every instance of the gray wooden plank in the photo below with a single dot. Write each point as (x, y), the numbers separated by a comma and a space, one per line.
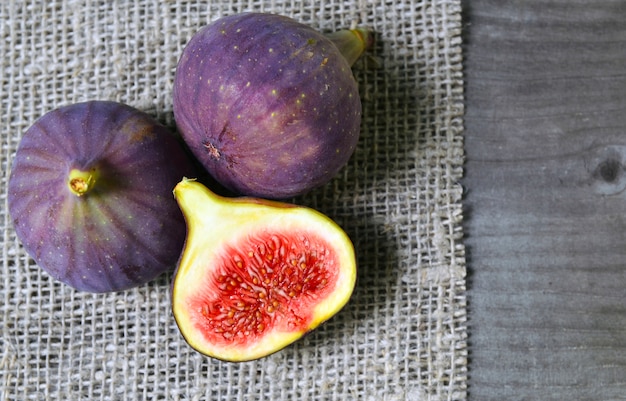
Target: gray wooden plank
(545, 214)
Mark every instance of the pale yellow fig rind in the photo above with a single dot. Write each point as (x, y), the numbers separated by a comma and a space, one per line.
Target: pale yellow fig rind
(211, 220)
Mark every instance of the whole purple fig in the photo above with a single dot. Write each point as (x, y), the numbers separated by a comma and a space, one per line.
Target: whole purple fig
(90, 195)
(268, 105)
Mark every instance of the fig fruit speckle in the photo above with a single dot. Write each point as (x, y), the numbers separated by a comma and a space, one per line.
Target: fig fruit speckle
(90, 195)
(268, 105)
(256, 275)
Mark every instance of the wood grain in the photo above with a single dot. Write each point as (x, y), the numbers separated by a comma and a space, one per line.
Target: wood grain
(545, 215)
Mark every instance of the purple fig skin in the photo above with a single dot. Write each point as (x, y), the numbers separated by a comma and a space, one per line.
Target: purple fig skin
(118, 229)
(269, 106)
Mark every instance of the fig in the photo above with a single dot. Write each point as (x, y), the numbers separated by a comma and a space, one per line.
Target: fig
(268, 105)
(90, 195)
(255, 275)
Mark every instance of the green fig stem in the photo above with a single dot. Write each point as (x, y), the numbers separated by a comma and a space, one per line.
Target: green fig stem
(81, 182)
(189, 193)
(352, 42)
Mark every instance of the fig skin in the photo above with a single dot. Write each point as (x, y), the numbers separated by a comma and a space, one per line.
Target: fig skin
(269, 106)
(256, 275)
(90, 196)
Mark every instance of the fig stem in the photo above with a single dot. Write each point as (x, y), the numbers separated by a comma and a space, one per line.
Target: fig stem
(80, 182)
(352, 42)
(190, 193)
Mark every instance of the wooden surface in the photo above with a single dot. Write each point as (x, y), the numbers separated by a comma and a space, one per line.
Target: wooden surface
(545, 213)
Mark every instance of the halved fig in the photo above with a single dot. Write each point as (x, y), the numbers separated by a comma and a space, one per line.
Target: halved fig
(256, 275)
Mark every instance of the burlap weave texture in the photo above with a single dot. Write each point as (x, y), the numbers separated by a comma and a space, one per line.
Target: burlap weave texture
(403, 334)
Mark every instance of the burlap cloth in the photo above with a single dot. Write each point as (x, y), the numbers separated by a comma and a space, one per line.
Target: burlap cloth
(403, 334)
